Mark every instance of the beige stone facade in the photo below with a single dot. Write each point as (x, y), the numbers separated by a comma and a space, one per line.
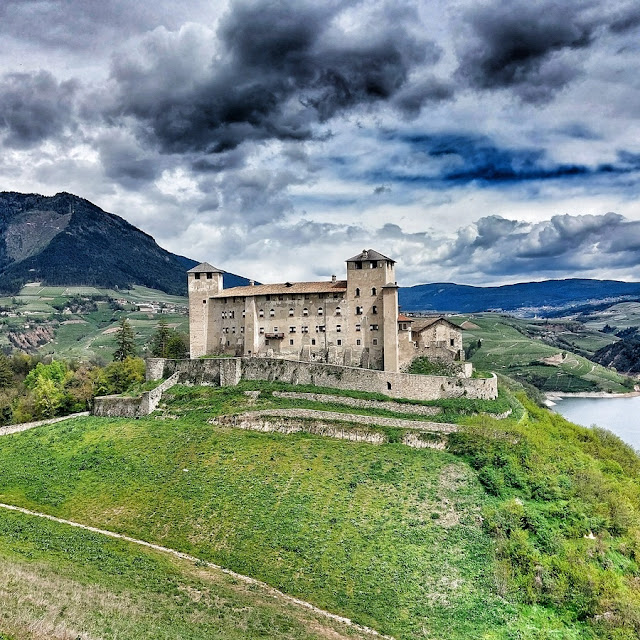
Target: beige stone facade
(352, 322)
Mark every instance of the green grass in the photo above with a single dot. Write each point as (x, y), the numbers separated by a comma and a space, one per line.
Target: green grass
(58, 581)
(347, 526)
(509, 348)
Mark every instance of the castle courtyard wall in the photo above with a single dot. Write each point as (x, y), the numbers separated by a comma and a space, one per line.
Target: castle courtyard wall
(229, 371)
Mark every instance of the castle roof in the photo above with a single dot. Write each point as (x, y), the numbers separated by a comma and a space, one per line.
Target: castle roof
(339, 286)
(369, 254)
(205, 267)
(420, 324)
(403, 318)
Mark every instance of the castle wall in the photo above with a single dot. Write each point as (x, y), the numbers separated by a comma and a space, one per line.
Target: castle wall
(395, 385)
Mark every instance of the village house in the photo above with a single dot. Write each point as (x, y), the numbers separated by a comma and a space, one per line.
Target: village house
(353, 322)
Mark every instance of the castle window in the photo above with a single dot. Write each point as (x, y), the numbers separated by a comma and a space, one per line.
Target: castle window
(261, 330)
(209, 275)
(275, 329)
(224, 315)
(374, 309)
(244, 313)
(357, 292)
(320, 328)
(373, 264)
(339, 343)
(358, 342)
(313, 341)
(338, 328)
(304, 329)
(266, 341)
(232, 314)
(292, 329)
(452, 342)
(261, 313)
(373, 327)
(204, 302)
(290, 341)
(196, 276)
(272, 313)
(268, 298)
(335, 296)
(388, 386)
(357, 327)
(241, 329)
(305, 312)
(358, 311)
(290, 312)
(374, 291)
(358, 265)
(280, 297)
(338, 311)
(233, 329)
(375, 342)
(319, 311)
(228, 343)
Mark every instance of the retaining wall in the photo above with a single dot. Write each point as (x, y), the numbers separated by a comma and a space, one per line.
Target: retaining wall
(229, 371)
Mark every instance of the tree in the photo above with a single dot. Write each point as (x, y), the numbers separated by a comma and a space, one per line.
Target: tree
(6, 372)
(126, 346)
(160, 340)
(177, 347)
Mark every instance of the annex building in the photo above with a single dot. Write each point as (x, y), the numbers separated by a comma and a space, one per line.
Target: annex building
(353, 322)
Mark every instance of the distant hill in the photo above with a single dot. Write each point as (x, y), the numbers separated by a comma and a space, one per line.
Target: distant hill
(67, 240)
(544, 297)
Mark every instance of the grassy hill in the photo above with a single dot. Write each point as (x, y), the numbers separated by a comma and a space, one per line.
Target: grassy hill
(525, 527)
(540, 353)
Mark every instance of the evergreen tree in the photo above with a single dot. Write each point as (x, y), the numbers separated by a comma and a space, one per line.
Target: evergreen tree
(160, 340)
(177, 347)
(126, 346)
(6, 372)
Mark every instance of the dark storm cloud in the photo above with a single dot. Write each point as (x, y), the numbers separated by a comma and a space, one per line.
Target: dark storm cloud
(446, 159)
(280, 68)
(531, 47)
(124, 162)
(34, 107)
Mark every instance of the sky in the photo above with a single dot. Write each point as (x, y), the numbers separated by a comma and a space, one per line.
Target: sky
(478, 142)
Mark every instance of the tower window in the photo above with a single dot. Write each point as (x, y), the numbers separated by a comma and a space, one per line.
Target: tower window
(272, 313)
(358, 265)
(358, 311)
(305, 312)
(373, 327)
(374, 309)
(339, 343)
(358, 327)
(313, 341)
(304, 329)
(338, 328)
(338, 311)
(357, 292)
(292, 329)
(374, 291)
(358, 342)
(261, 330)
(374, 264)
(290, 312)
(197, 276)
(261, 313)
(290, 341)
(375, 342)
(319, 311)
(209, 275)
(204, 302)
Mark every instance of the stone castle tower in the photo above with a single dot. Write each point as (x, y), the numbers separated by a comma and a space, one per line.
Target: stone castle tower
(204, 281)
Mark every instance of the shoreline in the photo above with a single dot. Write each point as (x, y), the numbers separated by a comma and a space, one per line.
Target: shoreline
(553, 397)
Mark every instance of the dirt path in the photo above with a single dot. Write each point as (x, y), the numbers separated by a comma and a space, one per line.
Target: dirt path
(17, 428)
(184, 556)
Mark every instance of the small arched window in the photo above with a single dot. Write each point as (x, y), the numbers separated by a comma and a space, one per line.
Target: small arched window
(357, 292)
(374, 309)
(374, 291)
(338, 311)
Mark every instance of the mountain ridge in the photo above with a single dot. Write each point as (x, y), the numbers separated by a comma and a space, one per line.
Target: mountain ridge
(67, 240)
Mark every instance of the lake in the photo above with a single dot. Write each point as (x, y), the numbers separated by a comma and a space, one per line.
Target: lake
(620, 415)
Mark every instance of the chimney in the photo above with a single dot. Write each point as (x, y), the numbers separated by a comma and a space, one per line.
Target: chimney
(333, 278)
(252, 283)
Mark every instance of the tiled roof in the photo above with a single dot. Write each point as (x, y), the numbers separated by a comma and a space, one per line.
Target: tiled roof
(369, 254)
(205, 267)
(403, 318)
(420, 324)
(339, 286)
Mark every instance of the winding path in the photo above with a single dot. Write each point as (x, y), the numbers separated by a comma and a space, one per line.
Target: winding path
(185, 556)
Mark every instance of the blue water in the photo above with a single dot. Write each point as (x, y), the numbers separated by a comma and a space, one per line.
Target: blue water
(620, 415)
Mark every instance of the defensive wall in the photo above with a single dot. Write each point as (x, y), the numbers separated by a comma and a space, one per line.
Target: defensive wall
(135, 406)
(229, 372)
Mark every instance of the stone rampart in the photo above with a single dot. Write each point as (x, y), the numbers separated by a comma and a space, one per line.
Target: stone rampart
(229, 371)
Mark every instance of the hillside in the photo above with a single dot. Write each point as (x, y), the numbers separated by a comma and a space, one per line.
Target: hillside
(66, 240)
(543, 298)
(522, 527)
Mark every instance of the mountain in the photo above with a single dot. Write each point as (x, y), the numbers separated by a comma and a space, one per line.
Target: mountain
(539, 297)
(67, 240)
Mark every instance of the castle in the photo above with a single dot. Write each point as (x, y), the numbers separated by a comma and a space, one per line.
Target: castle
(352, 322)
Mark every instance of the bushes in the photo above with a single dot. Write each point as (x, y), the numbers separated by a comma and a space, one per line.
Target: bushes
(566, 516)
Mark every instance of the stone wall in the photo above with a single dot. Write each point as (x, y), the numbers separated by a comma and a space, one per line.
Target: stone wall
(229, 371)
